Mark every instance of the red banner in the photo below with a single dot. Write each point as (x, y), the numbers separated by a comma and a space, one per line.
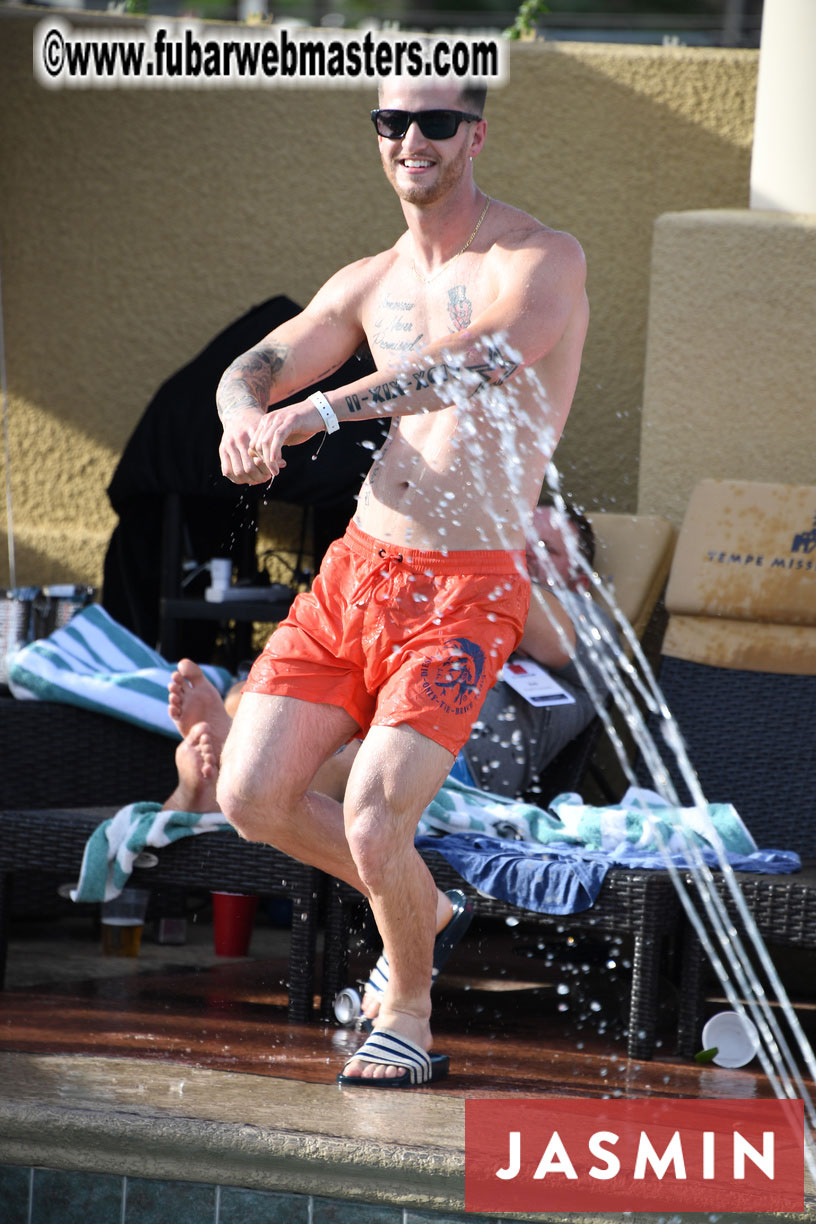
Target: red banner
(646, 1155)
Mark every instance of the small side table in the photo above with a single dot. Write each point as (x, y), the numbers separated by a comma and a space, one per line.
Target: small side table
(241, 613)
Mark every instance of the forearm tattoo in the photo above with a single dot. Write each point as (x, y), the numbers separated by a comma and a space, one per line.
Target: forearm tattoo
(249, 381)
(492, 371)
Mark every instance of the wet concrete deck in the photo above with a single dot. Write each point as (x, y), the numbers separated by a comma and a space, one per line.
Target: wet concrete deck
(183, 1064)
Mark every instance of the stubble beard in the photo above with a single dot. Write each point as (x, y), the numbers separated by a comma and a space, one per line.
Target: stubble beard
(450, 174)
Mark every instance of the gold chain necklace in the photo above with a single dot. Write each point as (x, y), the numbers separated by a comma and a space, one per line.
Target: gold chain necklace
(427, 279)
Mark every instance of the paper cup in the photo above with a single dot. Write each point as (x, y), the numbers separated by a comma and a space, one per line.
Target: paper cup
(735, 1037)
(347, 1006)
(233, 916)
(220, 572)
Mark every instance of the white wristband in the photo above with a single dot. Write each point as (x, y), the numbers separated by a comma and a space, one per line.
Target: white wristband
(326, 411)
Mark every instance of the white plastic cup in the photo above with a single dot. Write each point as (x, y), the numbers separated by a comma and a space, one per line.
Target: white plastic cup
(734, 1036)
(220, 573)
(347, 1006)
(122, 922)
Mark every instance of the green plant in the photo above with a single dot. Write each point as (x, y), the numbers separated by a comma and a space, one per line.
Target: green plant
(525, 22)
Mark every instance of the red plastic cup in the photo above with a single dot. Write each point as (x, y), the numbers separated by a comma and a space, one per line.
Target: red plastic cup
(233, 916)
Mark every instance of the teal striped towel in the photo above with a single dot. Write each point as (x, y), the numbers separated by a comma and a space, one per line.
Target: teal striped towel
(638, 822)
(642, 821)
(96, 663)
(463, 809)
(113, 848)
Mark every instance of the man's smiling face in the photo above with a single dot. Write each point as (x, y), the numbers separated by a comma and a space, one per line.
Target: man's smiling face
(422, 171)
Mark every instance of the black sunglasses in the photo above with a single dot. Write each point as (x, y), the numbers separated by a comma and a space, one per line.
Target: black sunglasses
(433, 124)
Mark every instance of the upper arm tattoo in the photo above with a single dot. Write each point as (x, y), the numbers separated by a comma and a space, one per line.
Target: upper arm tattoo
(248, 381)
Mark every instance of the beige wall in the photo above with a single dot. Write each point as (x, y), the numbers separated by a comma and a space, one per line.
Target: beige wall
(136, 224)
(731, 361)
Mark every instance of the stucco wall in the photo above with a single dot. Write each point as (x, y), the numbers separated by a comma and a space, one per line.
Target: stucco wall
(135, 224)
(731, 365)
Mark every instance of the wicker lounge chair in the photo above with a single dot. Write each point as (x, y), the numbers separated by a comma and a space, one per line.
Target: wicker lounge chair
(59, 763)
(739, 674)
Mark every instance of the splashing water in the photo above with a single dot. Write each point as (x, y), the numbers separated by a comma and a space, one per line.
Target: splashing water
(624, 677)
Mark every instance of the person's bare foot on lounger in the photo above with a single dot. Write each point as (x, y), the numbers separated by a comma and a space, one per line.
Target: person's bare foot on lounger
(197, 760)
(194, 699)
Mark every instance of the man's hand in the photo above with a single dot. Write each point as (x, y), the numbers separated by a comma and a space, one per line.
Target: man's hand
(238, 463)
(283, 427)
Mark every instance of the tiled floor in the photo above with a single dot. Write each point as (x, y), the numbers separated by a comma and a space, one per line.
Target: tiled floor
(48, 1196)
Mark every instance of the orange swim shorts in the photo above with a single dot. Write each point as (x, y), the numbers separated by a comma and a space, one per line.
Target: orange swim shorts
(398, 636)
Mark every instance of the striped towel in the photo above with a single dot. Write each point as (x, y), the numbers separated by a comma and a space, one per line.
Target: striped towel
(485, 837)
(641, 821)
(634, 823)
(96, 663)
(114, 846)
(459, 808)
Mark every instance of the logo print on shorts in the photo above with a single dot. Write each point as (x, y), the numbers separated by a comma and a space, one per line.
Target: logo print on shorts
(452, 679)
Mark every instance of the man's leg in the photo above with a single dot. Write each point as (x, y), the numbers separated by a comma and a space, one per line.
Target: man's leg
(196, 706)
(268, 762)
(372, 999)
(395, 776)
(273, 751)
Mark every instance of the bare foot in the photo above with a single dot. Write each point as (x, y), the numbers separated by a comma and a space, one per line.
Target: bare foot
(372, 999)
(197, 761)
(194, 699)
(408, 1025)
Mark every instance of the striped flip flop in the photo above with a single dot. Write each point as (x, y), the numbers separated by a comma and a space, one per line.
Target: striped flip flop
(444, 944)
(386, 1046)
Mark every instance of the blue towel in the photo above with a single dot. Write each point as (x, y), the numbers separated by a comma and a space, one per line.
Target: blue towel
(563, 879)
(561, 857)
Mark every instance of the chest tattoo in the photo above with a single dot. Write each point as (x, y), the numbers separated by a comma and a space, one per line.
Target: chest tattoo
(460, 307)
(394, 329)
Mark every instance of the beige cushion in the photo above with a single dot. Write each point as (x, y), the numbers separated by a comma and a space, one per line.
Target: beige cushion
(742, 589)
(633, 555)
(747, 551)
(749, 645)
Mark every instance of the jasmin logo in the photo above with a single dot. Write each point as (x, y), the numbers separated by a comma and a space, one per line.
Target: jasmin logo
(671, 1162)
(616, 1155)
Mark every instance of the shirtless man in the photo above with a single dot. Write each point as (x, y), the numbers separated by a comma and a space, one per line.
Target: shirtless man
(416, 609)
